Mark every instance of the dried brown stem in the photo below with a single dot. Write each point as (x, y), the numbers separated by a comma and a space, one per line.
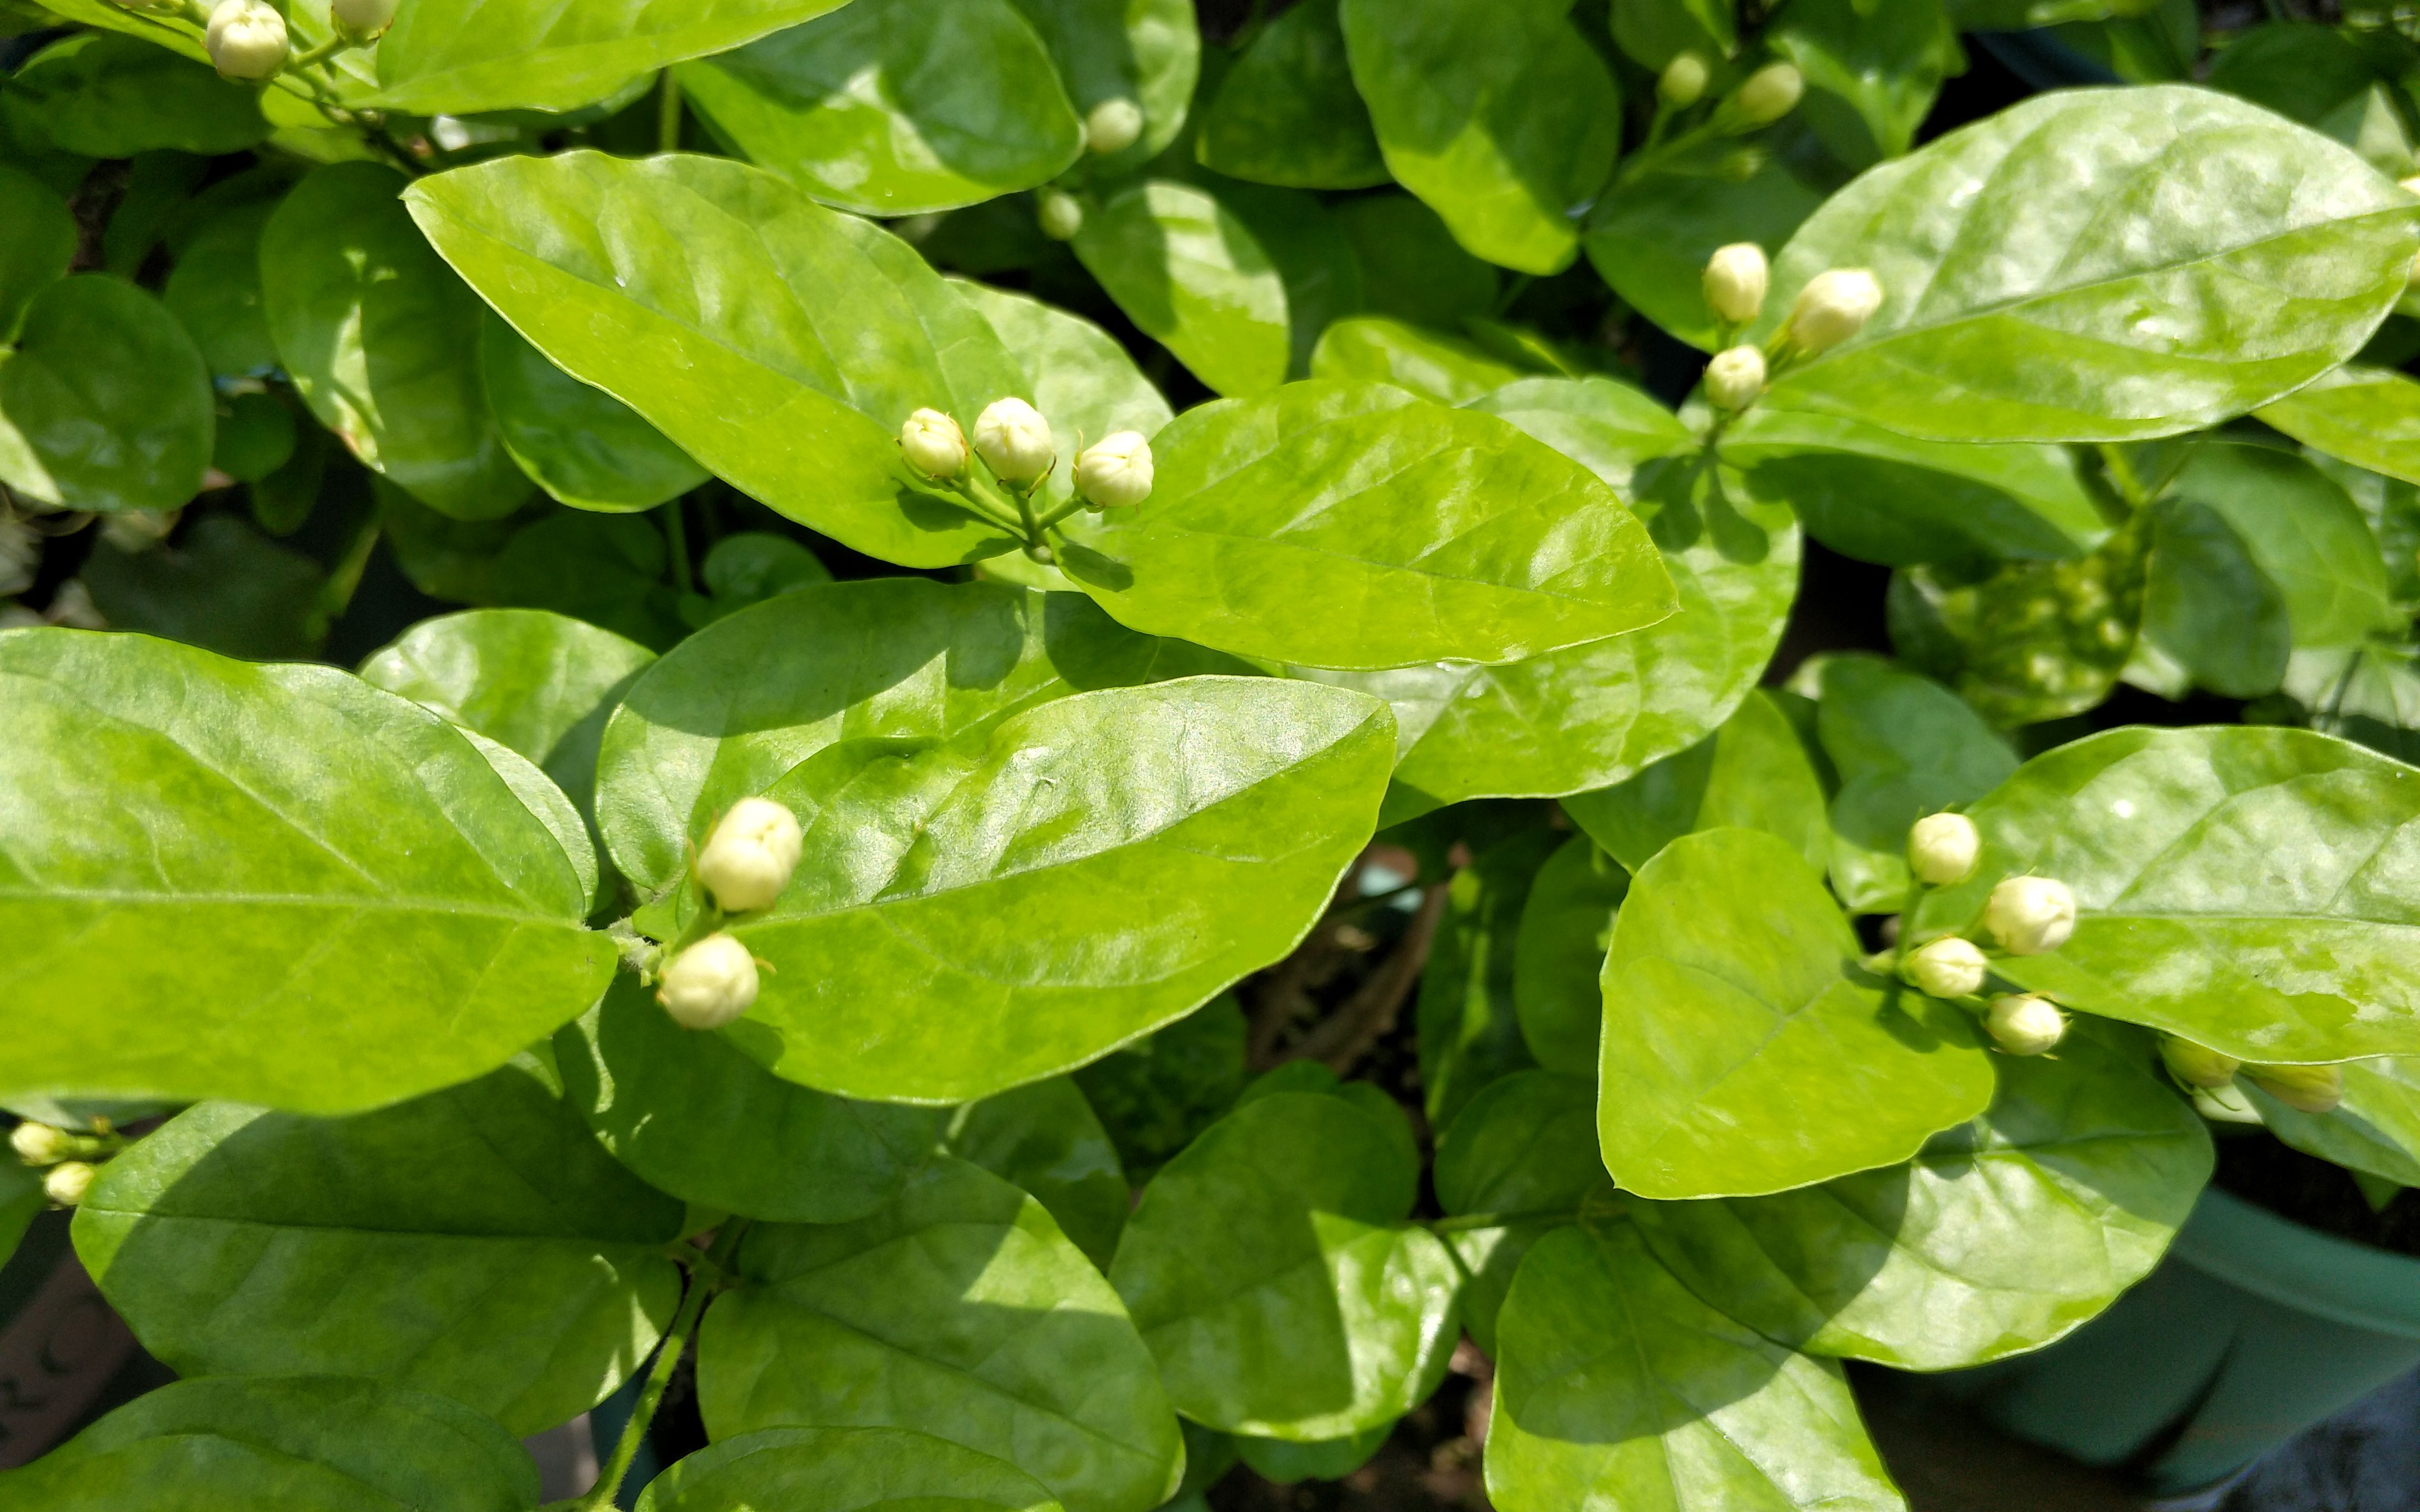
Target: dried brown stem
(1345, 1036)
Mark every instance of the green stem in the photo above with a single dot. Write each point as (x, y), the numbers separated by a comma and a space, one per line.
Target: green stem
(345, 577)
(1906, 926)
(336, 43)
(1075, 503)
(2121, 474)
(668, 113)
(651, 1395)
(1500, 1220)
(980, 498)
(676, 537)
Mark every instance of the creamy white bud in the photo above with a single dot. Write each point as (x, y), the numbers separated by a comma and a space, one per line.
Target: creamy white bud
(362, 18)
(1736, 279)
(39, 1144)
(748, 859)
(932, 444)
(1059, 214)
(1942, 848)
(66, 1184)
(2303, 1088)
(709, 984)
(1949, 968)
(2024, 1025)
(1014, 440)
(1834, 306)
(2197, 1065)
(1114, 126)
(1683, 80)
(1771, 93)
(246, 38)
(1735, 377)
(2030, 914)
(1115, 471)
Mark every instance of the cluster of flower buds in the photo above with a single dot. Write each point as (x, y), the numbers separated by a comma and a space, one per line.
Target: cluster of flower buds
(1014, 443)
(2305, 1088)
(1767, 95)
(2024, 915)
(70, 1158)
(246, 38)
(1735, 283)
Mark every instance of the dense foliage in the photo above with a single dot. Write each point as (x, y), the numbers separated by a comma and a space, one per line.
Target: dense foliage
(974, 515)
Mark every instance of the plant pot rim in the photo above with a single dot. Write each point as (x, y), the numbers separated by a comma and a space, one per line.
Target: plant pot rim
(2295, 1266)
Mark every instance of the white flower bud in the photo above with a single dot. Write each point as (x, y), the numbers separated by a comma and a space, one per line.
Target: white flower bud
(708, 984)
(2030, 914)
(362, 18)
(1771, 93)
(1115, 471)
(66, 1184)
(1950, 967)
(2024, 1025)
(1834, 306)
(2197, 1065)
(1014, 442)
(2303, 1088)
(1736, 279)
(1683, 80)
(748, 859)
(1942, 848)
(932, 444)
(1059, 214)
(39, 1144)
(1735, 377)
(246, 38)
(1114, 126)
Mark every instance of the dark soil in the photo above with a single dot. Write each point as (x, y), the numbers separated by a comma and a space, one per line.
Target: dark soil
(2259, 1168)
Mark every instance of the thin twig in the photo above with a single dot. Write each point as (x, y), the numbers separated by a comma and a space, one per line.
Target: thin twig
(1284, 990)
(1345, 1036)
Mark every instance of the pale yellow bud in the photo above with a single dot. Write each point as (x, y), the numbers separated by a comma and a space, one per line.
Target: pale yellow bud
(39, 1144)
(932, 444)
(1942, 848)
(1014, 442)
(1114, 126)
(1771, 93)
(749, 857)
(2029, 915)
(1115, 471)
(709, 984)
(66, 1184)
(2303, 1088)
(1059, 214)
(1735, 282)
(1735, 377)
(362, 18)
(245, 39)
(1834, 306)
(2024, 1025)
(2197, 1065)
(1683, 84)
(1949, 968)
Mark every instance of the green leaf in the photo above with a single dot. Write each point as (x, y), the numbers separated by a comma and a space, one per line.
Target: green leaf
(2370, 694)
(302, 1444)
(38, 247)
(1314, 259)
(1411, 266)
(221, 587)
(2375, 1129)
(895, 107)
(843, 1469)
(1616, 1387)
(1872, 70)
(1470, 1032)
(1450, 534)
(2002, 1234)
(1145, 51)
(1192, 277)
(22, 1201)
(2369, 416)
(1377, 350)
(581, 444)
(962, 1309)
(1523, 1150)
(1650, 235)
(266, 882)
(1080, 378)
(607, 569)
(1746, 1050)
(2208, 611)
(105, 404)
(214, 291)
(444, 558)
(2018, 257)
(1286, 1463)
(110, 96)
(794, 395)
(697, 1118)
(2243, 887)
(1271, 1272)
(383, 340)
(1752, 772)
(1156, 1094)
(1879, 496)
(1653, 31)
(459, 57)
(239, 1242)
(1559, 953)
(2296, 68)
(1046, 1139)
(1286, 112)
(2304, 533)
(1503, 119)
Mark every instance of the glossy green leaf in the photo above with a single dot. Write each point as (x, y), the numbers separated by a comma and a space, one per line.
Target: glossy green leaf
(2304, 533)
(2370, 694)
(1046, 1139)
(456, 56)
(1080, 378)
(1650, 235)
(1271, 1272)
(2019, 256)
(1653, 31)
(1753, 773)
(1559, 953)
(302, 1444)
(1872, 68)
(1431, 364)
(606, 569)
(214, 291)
(1524, 1151)
(2002, 1234)
(383, 340)
(111, 95)
(239, 1242)
(2375, 1129)
(2243, 887)
(1411, 266)
(1745, 1049)
(794, 393)
(892, 107)
(962, 1309)
(1145, 51)
(1316, 260)
(1154, 1095)
(2211, 616)
(1192, 277)
(581, 444)
(1502, 119)
(2368, 416)
(38, 247)
(357, 907)
(2296, 68)
(1448, 532)
(221, 587)
(1286, 112)
(1470, 1032)
(105, 404)
(1287, 1463)
(843, 1469)
(1616, 1387)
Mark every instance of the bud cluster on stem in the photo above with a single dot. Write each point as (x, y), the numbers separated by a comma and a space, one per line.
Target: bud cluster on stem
(1014, 443)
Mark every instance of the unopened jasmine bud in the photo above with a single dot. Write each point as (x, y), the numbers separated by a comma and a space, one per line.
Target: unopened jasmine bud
(1115, 471)
(932, 444)
(1834, 306)
(1114, 126)
(2024, 1025)
(2197, 1065)
(1683, 80)
(39, 1144)
(2030, 914)
(362, 18)
(1771, 93)
(709, 984)
(1014, 442)
(1059, 214)
(245, 39)
(748, 859)
(1736, 279)
(1942, 848)
(2303, 1088)
(1735, 377)
(66, 1184)
(1949, 968)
